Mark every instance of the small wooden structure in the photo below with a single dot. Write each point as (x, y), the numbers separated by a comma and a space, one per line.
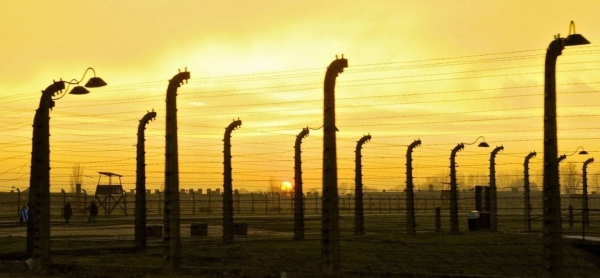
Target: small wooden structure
(110, 196)
(445, 196)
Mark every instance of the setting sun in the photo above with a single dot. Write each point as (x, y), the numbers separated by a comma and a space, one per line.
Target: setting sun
(286, 186)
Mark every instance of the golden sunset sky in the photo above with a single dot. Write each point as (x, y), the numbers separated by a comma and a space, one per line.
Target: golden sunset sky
(444, 72)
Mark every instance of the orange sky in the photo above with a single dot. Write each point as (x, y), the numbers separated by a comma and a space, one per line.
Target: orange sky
(444, 74)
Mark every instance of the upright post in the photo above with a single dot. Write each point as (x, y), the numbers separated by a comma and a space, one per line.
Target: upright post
(19, 203)
(359, 221)
(454, 190)
(438, 219)
(64, 200)
(526, 190)
(140, 183)
(298, 196)
(160, 200)
(570, 216)
(278, 203)
(239, 202)
(84, 202)
(493, 190)
(411, 225)
(558, 161)
(228, 184)
(330, 252)
(552, 227)
(125, 202)
(38, 226)
(209, 202)
(171, 239)
(193, 201)
(316, 203)
(586, 220)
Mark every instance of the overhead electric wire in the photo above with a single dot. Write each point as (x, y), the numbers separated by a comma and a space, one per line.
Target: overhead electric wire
(268, 151)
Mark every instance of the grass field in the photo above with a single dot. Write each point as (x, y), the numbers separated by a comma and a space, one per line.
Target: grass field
(105, 249)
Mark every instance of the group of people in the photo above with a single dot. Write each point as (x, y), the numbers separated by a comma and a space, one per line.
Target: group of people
(67, 213)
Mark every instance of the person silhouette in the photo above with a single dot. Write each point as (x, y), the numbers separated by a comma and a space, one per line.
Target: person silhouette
(24, 214)
(67, 212)
(93, 212)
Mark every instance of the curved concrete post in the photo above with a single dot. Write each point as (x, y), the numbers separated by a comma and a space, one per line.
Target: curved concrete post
(359, 221)
(454, 189)
(171, 238)
(527, 191)
(38, 226)
(330, 245)
(493, 190)
(411, 225)
(140, 183)
(298, 196)
(586, 220)
(228, 184)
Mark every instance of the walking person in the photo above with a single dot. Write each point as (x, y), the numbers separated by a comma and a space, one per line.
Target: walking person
(67, 212)
(93, 212)
(24, 217)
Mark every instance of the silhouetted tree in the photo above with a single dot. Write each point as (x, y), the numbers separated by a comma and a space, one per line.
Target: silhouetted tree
(438, 180)
(570, 177)
(345, 188)
(594, 182)
(76, 176)
(472, 179)
(273, 186)
(512, 179)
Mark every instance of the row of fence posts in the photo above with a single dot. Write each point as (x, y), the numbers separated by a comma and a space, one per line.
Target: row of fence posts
(39, 230)
(379, 203)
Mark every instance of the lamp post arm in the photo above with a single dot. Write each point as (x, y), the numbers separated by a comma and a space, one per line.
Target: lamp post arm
(85, 73)
(480, 137)
(578, 148)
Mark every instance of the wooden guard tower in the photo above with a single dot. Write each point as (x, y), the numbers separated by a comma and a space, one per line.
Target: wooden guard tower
(109, 196)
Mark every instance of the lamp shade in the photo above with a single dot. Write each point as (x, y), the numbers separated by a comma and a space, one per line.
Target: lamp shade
(483, 145)
(79, 90)
(575, 39)
(95, 82)
(583, 152)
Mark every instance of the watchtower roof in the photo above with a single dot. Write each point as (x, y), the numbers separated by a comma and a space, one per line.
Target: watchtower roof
(110, 174)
